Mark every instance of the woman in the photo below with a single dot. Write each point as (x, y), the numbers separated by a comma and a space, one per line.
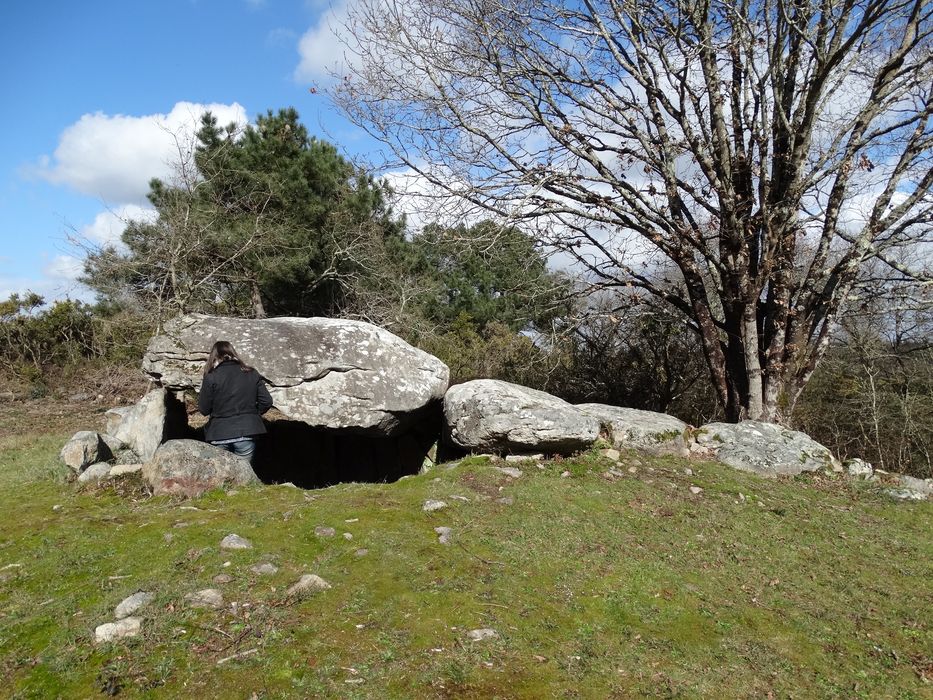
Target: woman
(234, 396)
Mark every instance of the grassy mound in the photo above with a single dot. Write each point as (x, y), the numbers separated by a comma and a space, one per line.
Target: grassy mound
(596, 585)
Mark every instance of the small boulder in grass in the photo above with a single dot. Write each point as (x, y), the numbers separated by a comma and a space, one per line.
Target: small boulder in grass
(264, 569)
(133, 603)
(307, 585)
(430, 506)
(322, 531)
(207, 598)
(234, 541)
(482, 635)
(121, 629)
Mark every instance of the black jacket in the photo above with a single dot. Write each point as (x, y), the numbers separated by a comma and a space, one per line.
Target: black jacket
(234, 400)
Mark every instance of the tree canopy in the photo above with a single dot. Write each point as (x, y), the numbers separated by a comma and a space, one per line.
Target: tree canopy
(270, 220)
(763, 151)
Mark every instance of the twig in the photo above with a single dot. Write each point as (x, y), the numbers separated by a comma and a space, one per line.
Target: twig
(239, 655)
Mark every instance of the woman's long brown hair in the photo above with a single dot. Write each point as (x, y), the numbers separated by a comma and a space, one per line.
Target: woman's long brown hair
(223, 351)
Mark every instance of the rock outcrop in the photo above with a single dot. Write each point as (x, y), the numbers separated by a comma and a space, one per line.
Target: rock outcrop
(488, 415)
(328, 373)
(84, 449)
(158, 417)
(645, 431)
(764, 448)
(190, 467)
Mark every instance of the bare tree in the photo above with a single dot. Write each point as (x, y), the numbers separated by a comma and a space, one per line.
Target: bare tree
(767, 149)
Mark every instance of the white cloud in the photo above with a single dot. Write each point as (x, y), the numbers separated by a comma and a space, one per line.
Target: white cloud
(63, 268)
(321, 50)
(109, 225)
(114, 157)
(58, 281)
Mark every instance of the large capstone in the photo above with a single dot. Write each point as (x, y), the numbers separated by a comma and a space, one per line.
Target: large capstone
(327, 373)
(190, 467)
(645, 431)
(488, 415)
(764, 448)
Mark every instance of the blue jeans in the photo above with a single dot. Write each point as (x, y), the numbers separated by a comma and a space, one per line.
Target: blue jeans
(241, 448)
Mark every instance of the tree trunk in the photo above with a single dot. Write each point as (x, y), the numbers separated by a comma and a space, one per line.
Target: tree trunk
(259, 311)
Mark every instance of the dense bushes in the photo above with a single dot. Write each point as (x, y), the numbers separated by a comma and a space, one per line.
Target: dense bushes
(40, 343)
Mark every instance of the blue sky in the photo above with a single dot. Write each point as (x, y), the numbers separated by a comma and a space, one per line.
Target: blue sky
(92, 90)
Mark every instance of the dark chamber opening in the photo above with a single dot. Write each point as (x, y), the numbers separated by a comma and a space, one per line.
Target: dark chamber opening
(315, 457)
(311, 458)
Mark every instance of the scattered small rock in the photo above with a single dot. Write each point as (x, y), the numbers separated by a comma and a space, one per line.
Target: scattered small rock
(430, 506)
(905, 494)
(323, 531)
(482, 634)
(133, 603)
(444, 534)
(264, 569)
(461, 498)
(168, 537)
(348, 535)
(122, 469)
(233, 541)
(57, 506)
(111, 631)
(207, 598)
(564, 474)
(361, 552)
(923, 486)
(506, 500)
(512, 472)
(633, 470)
(531, 457)
(696, 490)
(307, 584)
(688, 471)
(221, 579)
(611, 454)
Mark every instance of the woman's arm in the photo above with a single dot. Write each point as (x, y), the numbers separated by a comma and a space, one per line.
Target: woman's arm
(263, 397)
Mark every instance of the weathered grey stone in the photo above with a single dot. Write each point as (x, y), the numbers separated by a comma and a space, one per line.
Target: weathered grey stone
(443, 534)
(309, 583)
(132, 604)
(482, 634)
(324, 531)
(264, 569)
(112, 631)
(859, 468)
(83, 449)
(126, 456)
(921, 486)
(906, 494)
(114, 418)
(645, 431)
(326, 372)
(114, 444)
(234, 541)
(511, 472)
(189, 467)
(492, 415)
(158, 417)
(764, 448)
(222, 579)
(207, 598)
(124, 469)
(94, 473)
(430, 506)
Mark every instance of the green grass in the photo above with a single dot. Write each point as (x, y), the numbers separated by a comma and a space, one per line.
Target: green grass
(598, 588)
